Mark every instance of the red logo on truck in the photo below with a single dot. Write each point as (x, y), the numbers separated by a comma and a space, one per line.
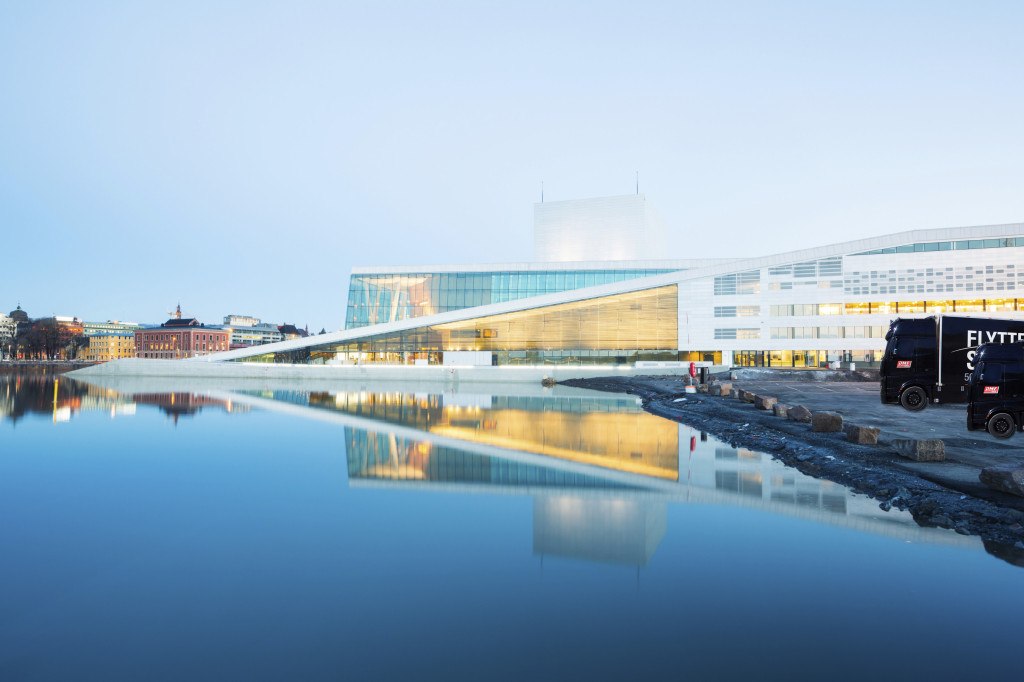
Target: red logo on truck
(990, 390)
(903, 364)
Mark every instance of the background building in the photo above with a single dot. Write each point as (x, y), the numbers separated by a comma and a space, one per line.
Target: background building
(241, 321)
(179, 338)
(20, 318)
(110, 326)
(8, 328)
(47, 338)
(106, 346)
(250, 331)
(255, 335)
(290, 331)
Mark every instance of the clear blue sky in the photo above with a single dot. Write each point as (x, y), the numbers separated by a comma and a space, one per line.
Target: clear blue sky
(242, 156)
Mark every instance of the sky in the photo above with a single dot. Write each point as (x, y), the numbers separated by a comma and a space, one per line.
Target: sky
(241, 157)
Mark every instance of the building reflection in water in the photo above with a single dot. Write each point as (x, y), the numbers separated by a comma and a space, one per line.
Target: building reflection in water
(61, 398)
(610, 433)
(608, 504)
(611, 530)
(601, 470)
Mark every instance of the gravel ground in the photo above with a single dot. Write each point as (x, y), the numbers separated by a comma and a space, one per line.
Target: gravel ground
(945, 494)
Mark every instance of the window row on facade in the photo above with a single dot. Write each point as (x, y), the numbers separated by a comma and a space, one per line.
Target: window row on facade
(867, 332)
(978, 305)
(852, 332)
(958, 245)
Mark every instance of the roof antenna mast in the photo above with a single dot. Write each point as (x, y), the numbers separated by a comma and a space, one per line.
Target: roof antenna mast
(542, 191)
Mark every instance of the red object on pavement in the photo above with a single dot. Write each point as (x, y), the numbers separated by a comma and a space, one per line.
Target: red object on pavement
(693, 369)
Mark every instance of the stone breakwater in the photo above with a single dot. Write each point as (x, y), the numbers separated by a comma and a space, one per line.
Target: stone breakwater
(825, 444)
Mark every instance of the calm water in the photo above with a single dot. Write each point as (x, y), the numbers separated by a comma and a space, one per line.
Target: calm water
(152, 531)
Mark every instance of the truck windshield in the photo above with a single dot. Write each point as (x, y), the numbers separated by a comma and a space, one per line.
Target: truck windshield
(902, 349)
(990, 372)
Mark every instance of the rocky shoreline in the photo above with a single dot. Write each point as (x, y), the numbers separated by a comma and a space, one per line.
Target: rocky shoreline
(996, 517)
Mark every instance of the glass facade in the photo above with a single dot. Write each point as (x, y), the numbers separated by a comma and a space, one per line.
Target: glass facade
(616, 329)
(961, 245)
(381, 298)
(815, 359)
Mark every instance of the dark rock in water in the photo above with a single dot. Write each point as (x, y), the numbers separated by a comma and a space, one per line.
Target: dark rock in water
(826, 422)
(1008, 479)
(1011, 554)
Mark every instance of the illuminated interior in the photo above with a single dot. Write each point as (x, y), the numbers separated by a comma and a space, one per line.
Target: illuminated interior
(621, 328)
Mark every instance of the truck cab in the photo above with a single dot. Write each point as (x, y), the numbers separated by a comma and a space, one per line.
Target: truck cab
(996, 389)
(909, 364)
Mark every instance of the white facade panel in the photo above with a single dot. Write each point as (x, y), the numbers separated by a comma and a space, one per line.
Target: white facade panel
(602, 229)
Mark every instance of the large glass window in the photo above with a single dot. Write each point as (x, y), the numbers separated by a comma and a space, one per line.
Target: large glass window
(379, 298)
(1000, 304)
(621, 325)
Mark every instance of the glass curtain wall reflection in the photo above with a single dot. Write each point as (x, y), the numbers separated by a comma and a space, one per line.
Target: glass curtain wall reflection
(615, 435)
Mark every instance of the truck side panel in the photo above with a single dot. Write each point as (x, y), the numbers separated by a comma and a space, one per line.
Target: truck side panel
(961, 337)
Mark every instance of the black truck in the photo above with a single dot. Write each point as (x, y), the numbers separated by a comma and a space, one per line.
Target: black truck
(930, 359)
(996, 389)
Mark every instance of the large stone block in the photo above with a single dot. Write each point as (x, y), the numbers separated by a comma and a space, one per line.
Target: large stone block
(863, 435)
(765, 402)
(725, 388)
(799, 413)
(927, 450)
(734, 393)
(747, 396)
(826, 422)
(780, 410)
(1008, 479)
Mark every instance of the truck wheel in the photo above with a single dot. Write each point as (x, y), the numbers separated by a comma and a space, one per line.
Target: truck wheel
(914, 399)
(1002, 425)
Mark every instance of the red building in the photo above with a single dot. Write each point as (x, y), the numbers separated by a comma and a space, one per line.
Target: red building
(180, 338)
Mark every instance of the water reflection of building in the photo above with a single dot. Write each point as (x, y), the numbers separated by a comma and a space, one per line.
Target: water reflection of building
(612, 530)
(594, 503)
(61, 398)
(608, 433)
(590, 506)
(185, 404)
(600, 525)
(45, 393)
